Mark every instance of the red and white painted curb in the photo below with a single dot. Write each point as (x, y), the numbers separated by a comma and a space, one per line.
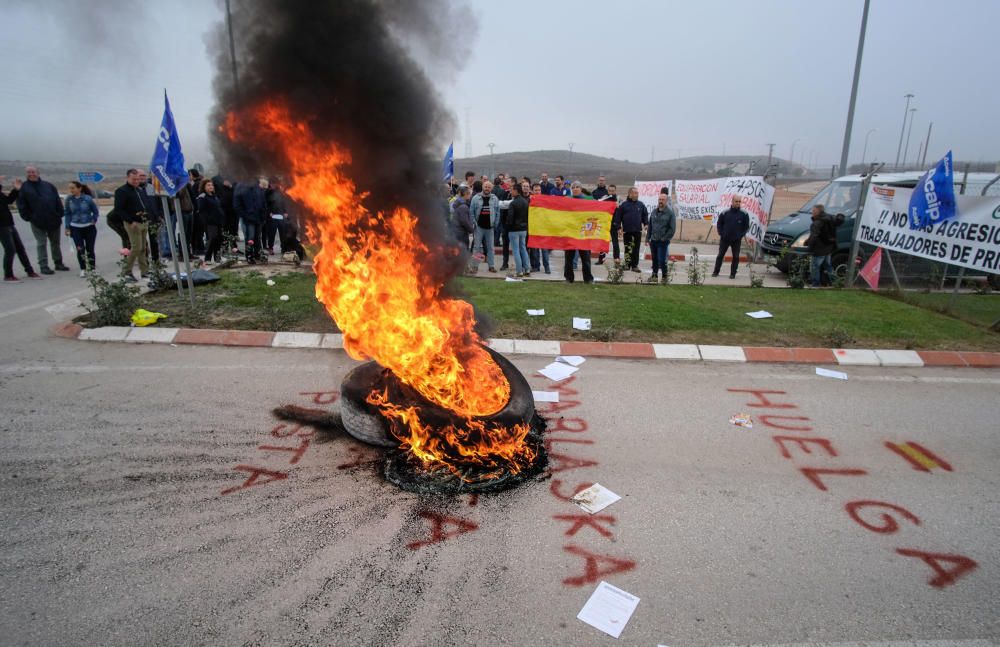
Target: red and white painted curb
(621, 350)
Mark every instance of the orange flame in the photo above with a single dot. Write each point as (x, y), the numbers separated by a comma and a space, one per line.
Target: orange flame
(369, 278)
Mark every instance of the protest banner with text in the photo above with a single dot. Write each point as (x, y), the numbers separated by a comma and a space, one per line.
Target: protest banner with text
(649, 192)
(970, 240)
(706, 199)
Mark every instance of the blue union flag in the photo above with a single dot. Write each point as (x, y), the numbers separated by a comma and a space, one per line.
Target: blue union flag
(933, 199)
(168, 158)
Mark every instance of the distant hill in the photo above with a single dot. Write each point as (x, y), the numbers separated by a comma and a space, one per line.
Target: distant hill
(586, 168)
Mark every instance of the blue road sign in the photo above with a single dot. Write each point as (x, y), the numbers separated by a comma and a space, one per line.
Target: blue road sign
(90, 178)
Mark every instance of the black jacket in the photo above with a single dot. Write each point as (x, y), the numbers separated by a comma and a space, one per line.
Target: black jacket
(599, 193)
(6, 218)
(518, 216)
(822, 235)
(276, 202)
(130, 203)
(249, 203)
(39, 204)
(630, 216)
(210, 209)
(225, 194)
(733, 224)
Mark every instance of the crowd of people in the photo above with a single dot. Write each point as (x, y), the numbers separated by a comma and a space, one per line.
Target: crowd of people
(211, 212)
(495, 213)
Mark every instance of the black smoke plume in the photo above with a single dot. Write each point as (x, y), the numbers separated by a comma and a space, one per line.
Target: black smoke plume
(345, 67)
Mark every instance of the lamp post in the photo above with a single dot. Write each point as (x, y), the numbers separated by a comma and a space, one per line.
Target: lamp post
(865, 150)
(906, 149)
(854, 91)
(906, 112)
(493, 170)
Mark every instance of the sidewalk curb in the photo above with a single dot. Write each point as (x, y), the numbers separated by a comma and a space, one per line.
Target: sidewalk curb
(620, 350)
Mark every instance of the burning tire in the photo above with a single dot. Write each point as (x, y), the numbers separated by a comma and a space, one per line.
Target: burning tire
(363, 421)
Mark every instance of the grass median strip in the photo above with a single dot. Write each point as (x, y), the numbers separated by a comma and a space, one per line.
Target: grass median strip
(632, 313)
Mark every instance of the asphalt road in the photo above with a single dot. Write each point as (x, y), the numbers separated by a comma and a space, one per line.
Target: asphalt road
(114, 459)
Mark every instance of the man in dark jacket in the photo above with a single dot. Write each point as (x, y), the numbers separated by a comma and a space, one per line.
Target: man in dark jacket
(224, 189)
(39, 203)
(131, 206)
(631, 217)
(570, 255)
(517, 229)
(10, 239)
(732, 225)
(500, 236)
(251, 207)
(601, 191)
(822, 242)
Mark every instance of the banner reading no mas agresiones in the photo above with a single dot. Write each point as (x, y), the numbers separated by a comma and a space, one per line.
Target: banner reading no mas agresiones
(970, 240)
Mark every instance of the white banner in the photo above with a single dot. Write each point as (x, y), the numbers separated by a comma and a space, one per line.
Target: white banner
(706, 199)
(971, 240)
(649, 192)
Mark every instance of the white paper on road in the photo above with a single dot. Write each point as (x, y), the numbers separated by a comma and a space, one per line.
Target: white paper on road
(511, 280)
(608, 609)
(581, 324)
(742, 420)
(557, 371)
(536, 313)
(572, 360)
(760, 314)
(545, 396)
(825, 372)
(595, 498)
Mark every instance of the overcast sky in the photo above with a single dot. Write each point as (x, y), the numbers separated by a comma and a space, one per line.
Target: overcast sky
(616, 79)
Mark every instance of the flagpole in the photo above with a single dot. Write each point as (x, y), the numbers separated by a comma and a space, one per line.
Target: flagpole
(173, 249)
(184, 250)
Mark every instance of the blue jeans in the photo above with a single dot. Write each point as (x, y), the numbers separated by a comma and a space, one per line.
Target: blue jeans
(658, 249)
(820, 263)
(484, 238)
(539, 258)
(519, 248)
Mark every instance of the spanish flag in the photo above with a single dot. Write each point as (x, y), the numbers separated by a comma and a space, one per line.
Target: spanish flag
(555, 222)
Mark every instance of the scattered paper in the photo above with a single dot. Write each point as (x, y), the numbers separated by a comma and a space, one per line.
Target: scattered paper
(536, 313)
(760, 314)
(513, 280)
(742, 420)
(557, 371)
(581, 324)
(284, 297)
(545, 396)
(572, 360)
(270, 282)
(608, 609)
(595, 498)
(825, 372)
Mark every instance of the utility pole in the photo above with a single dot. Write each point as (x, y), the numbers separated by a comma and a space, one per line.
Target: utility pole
(906, 149)
(906, 111)
(493, 171)
(232, 49)
(865, 151)
(571, 145)
(854, 91)
(770, 154)
(927, 144)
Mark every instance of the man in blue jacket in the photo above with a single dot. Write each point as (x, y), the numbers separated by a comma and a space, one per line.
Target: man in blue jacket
(733, 225)
(39, 203)
(631, 217)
